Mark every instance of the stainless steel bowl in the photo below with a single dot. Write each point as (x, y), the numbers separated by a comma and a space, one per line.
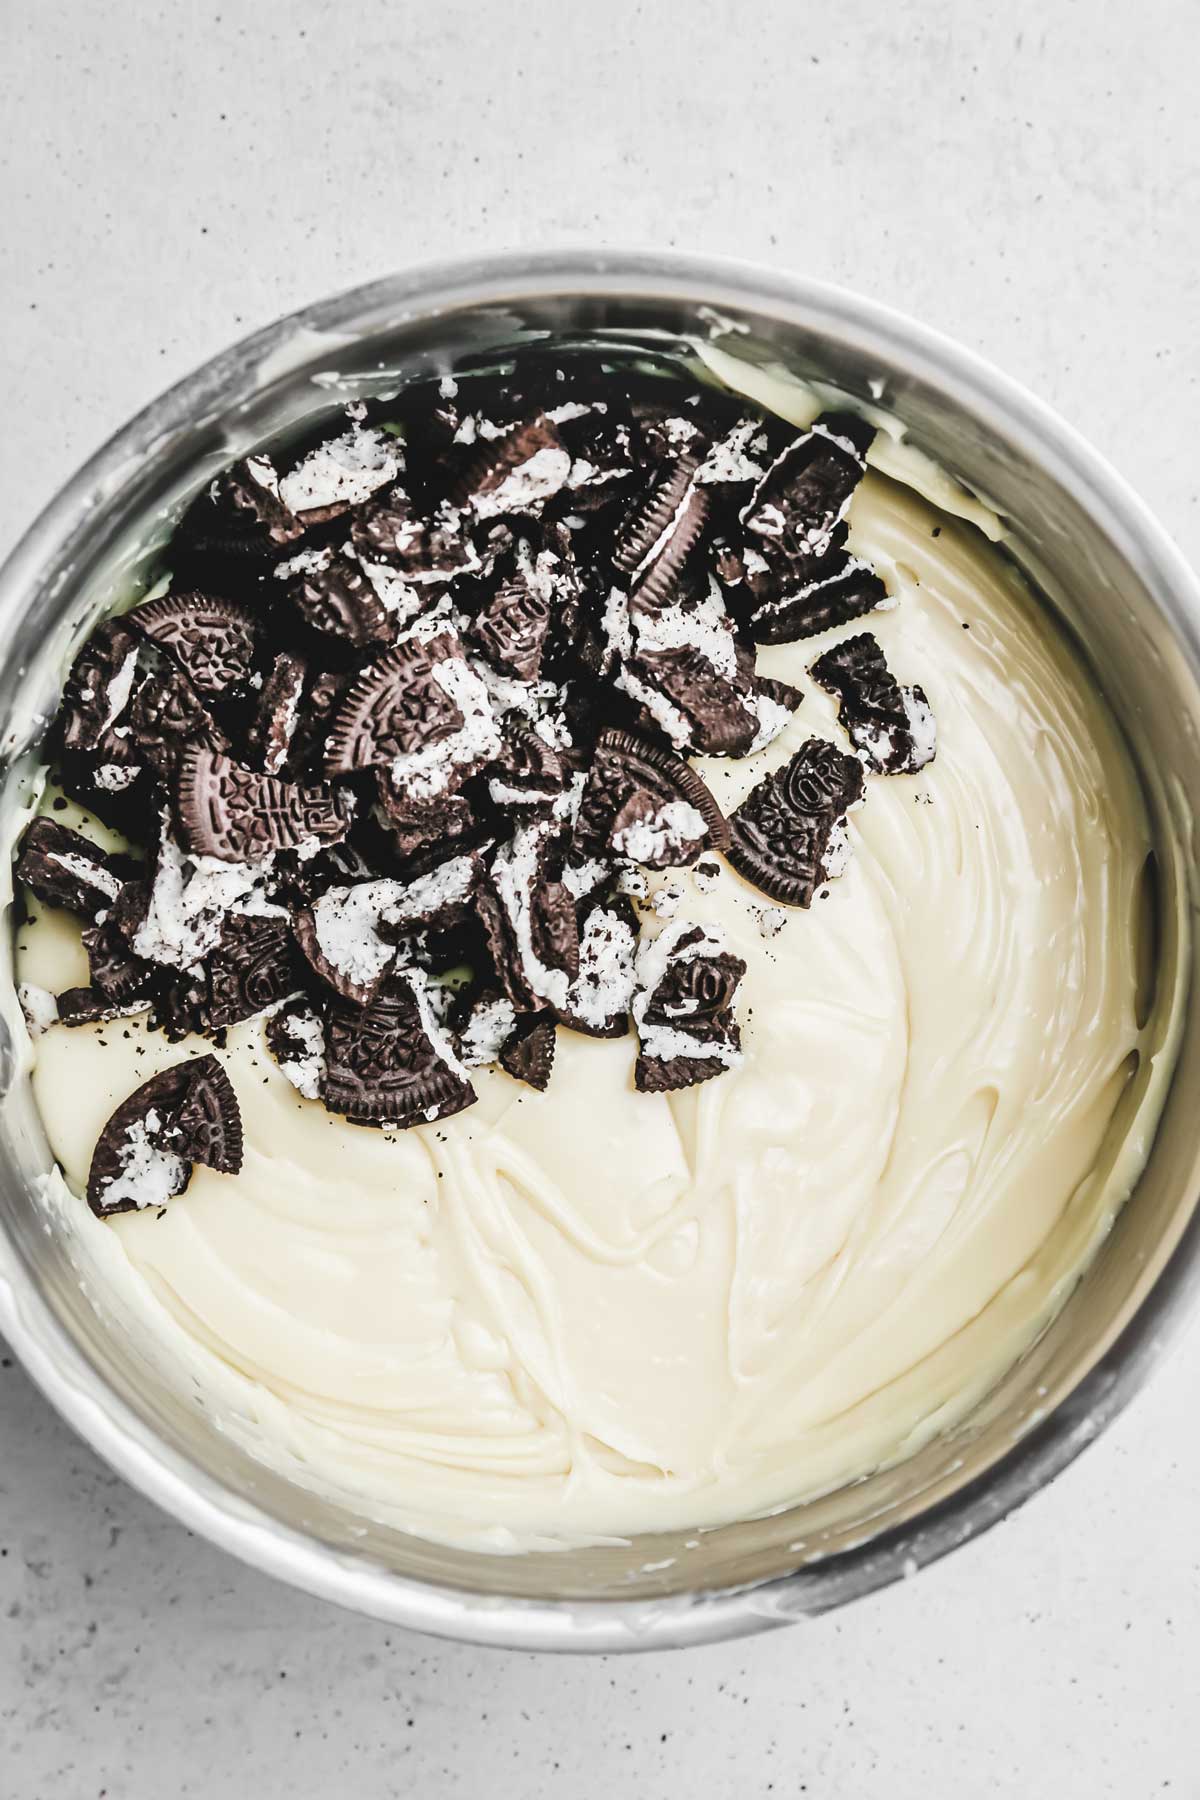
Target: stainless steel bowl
(1135, 607)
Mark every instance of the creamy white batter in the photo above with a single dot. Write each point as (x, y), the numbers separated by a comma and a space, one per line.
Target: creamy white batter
(592, 1313)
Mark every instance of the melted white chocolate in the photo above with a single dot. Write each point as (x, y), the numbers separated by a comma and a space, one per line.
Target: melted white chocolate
(593, 1313)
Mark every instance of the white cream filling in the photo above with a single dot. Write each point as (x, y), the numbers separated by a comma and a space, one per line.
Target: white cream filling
(349, 468)
(422, 774)
(150, 1174)
(669, 827)
(89, 873)
(526, 487)
(346, 920)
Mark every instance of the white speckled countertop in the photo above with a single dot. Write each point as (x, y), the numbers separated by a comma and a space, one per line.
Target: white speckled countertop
(1024, 175)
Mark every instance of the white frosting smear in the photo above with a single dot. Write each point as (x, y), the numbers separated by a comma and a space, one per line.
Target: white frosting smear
(590, 1312)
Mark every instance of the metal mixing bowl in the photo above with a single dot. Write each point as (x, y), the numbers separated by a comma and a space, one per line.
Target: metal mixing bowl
(1135, 607)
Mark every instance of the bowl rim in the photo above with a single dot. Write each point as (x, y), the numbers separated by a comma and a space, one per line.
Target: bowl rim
(56, 1363)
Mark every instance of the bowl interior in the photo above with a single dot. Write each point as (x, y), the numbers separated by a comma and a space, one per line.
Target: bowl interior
(1100, 568)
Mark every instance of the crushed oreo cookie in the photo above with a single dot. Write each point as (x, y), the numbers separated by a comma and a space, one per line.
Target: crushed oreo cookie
(892, 727)
(269, 737)
(421, 713)
(528, 1055)
(183, 1115)
(342, 933)
(98, 688)
(237, 815)
(254, 966)
(516, 473)
(167, 715)
(333, 596)
(530, 921)
(804, 496)
(296, 1039)
(391, 1062)
(789, 836)
(92, 1006)
(832, 592)
(601, 993)
(784, 564)
(239, 519)
(213, 640)
(415, 828)
(415, 723)
(64, 868)
(115, 968)
(683, 1008)
(644, 804)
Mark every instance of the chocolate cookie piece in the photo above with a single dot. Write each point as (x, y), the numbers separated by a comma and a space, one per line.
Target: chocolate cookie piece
(785, 605)
(601, 994)
(420, 712)
(516, 473)
(694, 706)
(296, 880)
(323, 693)
(512, 629)
(529, 920)
(665, 570)
(183, 1115)
(395, 708)
(670, 504)
(789, 835)
(239, 517)
(602, 459)
(666, 428)
(779, 693)
(739, 456)
(210, 1119)
(296, 1039)
(483, 1020)
(92, 1006)
(428, 550)
(527, 775)
(658, 835)
(629, 770)
(175, 918)
(63, 868)
(168, 713)
(252, 967)
(683, 1008)
(350, 934)
(235, 814)
(212, 639)
(891, 727)
(277, 714)
(528, 1055)
(180, 1005)
(341, 471)
(114, 967)
(388, 1063)
(333, 596)
(690, 677)
(99, 687)
(804, 495)
(414, 827)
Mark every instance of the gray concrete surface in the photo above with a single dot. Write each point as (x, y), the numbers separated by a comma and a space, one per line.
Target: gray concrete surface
(1026, 176)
